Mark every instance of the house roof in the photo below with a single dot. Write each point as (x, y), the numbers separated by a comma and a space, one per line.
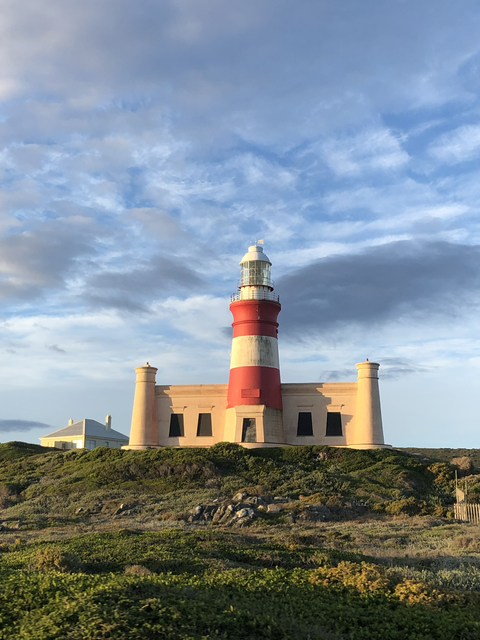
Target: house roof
(87, 427)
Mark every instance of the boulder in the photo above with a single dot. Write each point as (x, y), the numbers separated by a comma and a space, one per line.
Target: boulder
(241, 495)
(245, 513)
(274, 508)
(196, 512)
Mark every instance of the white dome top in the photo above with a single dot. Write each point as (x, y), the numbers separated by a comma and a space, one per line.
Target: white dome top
(255, 253)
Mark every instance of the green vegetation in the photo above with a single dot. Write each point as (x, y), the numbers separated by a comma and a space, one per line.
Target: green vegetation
(446, 455)
(47, 484)
(217, 584)
(332, 544)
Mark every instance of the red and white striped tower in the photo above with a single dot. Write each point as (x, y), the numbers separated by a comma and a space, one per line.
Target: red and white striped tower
(254, 409)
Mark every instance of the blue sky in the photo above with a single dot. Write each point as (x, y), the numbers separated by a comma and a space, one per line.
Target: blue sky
(144, 145)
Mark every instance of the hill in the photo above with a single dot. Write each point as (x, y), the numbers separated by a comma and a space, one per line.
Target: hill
(308, 542)
(41, 487)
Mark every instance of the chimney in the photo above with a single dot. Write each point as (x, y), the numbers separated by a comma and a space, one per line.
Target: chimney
(108, 422)
(70, 421)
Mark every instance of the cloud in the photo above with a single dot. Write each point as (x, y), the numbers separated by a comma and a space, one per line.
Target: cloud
(390, 369)
(6, 426)
(457, 146)
(55, 348)
(384, 284)
(370, 150)
(335, 375)
(44, 257)
(133, 289)
(394, 368)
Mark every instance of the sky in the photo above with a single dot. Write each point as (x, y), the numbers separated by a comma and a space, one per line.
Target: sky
(145, 144)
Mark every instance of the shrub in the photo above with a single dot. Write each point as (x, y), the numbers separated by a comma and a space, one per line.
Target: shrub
(53, 559)
(464, 466)
(408, 506)
(418, 592)
(364, 577)
(137, 570)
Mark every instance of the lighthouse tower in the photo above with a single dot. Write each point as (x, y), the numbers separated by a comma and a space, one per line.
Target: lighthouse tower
(254, 406)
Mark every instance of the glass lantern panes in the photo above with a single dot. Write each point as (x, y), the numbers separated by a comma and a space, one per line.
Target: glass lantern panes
(255, 272)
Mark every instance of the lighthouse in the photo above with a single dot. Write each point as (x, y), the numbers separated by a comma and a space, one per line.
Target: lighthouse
(254, 400)
(255, 409)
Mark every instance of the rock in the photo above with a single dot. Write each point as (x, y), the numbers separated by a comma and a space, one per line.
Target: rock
(228, 512)
(281, 499)
(208, 512)
(274, 508)
(245, 513)
(219, 513)
(291, 518)
(80, 510)
(238, 497)
(242, 517)
(16, 525)
(196, 512)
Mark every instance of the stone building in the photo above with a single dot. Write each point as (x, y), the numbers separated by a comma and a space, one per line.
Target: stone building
(255, 408)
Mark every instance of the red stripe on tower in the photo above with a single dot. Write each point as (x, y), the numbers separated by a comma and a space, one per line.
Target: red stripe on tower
(254, 368)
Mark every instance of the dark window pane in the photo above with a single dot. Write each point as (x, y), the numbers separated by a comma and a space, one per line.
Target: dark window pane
(204, 427)
(305, 425)
(176, 425)
(334, 423)
(249, 431)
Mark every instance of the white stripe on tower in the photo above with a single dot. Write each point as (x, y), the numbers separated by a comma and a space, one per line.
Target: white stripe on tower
(254, 351)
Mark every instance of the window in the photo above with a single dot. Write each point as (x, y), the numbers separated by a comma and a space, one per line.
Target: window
(305, 425)
(255, 272)
(204, 426)
(334, 424)
(249, 430)
(90, 444)
(176, 426)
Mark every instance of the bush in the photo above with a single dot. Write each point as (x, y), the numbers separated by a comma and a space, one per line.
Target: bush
(408, 506)
(53, 559)
(364, 577)
(464, 466)
(137, 570)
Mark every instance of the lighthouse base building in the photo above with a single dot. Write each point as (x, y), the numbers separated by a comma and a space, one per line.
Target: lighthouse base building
(255, 409)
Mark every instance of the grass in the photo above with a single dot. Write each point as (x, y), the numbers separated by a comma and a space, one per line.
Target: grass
(226, 584)
(362, 548)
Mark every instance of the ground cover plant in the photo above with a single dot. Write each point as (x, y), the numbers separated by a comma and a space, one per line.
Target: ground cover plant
(307, 542)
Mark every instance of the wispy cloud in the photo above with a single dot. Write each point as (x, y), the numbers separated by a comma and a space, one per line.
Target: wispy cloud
(367, 151)
(458, 145)
(24, 426)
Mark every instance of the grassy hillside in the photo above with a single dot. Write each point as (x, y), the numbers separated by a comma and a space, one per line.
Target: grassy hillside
(308, 542)
(42, 487)
(446, 455)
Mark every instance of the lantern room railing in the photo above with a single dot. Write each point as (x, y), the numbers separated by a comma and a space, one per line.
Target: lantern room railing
(255, 294)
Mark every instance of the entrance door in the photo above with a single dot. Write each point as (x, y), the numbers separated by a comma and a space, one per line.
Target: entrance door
(249, 431)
